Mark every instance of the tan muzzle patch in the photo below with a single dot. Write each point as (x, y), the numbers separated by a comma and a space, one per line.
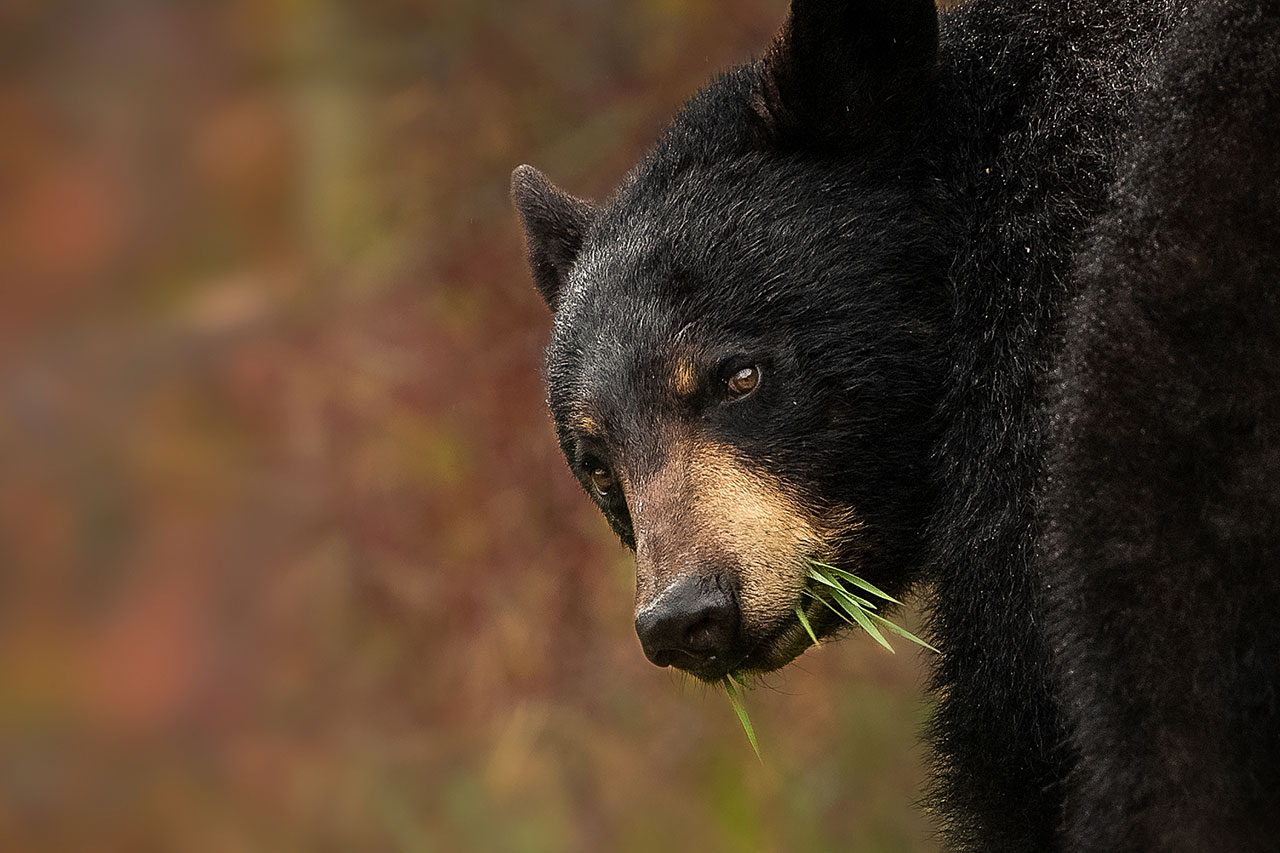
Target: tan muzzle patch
(705, 512)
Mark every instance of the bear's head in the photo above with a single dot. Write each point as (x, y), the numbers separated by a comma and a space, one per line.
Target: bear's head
(746, 358)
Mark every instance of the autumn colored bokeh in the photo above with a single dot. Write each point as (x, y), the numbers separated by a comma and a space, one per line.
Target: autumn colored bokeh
(288, 556)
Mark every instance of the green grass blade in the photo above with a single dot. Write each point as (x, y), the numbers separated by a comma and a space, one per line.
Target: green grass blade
(830, 576)
(835, 585)
(823, 579)
(804, 620)
(741, 710)
(855, 609)
(850, 612)
(836, 610)
(866, 605)
(869, 587)
(903, 632)
(856, 581)
(860, 616)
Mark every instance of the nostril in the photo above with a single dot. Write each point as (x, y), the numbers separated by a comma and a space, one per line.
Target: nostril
(692, 623)
(707, 634)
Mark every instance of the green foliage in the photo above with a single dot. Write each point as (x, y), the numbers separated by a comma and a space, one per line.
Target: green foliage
(853, 608)
(804, 621)
(828, 589)
(732, 683)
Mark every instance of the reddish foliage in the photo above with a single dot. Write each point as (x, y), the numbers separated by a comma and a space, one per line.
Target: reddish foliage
(288, 556)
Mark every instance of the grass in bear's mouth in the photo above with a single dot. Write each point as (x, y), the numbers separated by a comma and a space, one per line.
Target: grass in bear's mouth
(849, 606)
(732, 684)
(826, 587)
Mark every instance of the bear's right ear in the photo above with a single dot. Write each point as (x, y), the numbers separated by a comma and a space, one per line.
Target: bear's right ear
(555, 224)
(843, 68)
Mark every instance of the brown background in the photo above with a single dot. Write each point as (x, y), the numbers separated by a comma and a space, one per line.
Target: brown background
(288, 556)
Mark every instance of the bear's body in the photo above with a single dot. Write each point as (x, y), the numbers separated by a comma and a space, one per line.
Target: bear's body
(1161, 506)
(947, 305)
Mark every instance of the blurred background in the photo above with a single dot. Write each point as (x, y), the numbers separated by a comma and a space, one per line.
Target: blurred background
(289, 559)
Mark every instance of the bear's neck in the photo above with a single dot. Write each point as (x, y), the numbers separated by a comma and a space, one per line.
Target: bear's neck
(1031, 114)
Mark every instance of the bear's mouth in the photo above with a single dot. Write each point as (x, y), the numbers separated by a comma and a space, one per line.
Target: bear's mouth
(832, 601)
(782, 644)
(787, 641)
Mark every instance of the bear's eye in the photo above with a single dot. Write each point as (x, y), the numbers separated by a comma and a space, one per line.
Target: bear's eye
(601, 480)
(744, 382)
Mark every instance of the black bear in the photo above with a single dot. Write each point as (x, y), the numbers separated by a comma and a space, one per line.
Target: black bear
(982, 305)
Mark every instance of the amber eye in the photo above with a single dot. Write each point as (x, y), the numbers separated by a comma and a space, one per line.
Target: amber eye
(744, 381)
(601, 480)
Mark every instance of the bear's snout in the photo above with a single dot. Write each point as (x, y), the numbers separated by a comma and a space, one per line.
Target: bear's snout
(692, 625)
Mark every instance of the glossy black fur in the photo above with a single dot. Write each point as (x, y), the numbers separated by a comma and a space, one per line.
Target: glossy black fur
(1034, 100)
(826, 271)
(895, 233)
(1163, 496)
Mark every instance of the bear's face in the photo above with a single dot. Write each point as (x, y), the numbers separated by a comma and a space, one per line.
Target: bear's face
(744, 367)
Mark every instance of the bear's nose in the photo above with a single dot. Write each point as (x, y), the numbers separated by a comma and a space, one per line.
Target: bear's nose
(691, 625)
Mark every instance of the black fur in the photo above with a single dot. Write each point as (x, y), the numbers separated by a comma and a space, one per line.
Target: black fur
(829, 278)
(1163, 496)
(894, 217)
(556, 223)
(1034, 98)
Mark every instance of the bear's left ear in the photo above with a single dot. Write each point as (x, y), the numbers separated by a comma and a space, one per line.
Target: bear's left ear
(849, 68)
(555, 224)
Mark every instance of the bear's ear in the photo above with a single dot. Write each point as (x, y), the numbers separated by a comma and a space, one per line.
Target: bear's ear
(843, 68)
(554, 226)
